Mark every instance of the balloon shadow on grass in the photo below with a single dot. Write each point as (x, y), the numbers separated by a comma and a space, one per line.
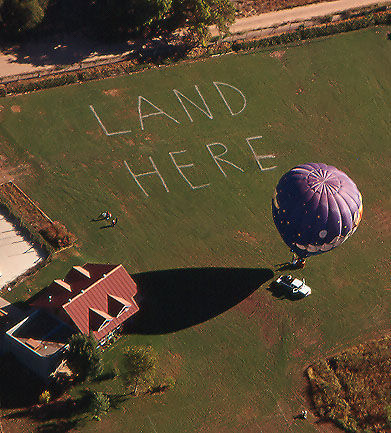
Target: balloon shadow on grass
(176, 299)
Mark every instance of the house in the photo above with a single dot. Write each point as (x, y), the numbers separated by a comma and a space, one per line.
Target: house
(94, 299)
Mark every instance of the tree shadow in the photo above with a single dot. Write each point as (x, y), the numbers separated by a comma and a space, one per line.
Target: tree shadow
(68, 48)
(52, 411)
(58, 426)
(175, 299)
(15, 380)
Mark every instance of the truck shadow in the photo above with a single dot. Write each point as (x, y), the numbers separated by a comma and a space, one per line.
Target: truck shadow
(175, 299)
(280, 293)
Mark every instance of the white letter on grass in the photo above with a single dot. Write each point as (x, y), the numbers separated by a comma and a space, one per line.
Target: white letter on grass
(178, 167)
(259, 157)
(180, 95)
(217, 84)
(155, 113)
(155, 171)
(218, 157)
(103, 126)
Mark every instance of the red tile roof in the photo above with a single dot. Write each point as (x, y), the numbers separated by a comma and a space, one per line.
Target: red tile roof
(106, 286)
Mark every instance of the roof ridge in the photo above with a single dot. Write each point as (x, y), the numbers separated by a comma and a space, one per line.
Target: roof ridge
(119, 298)
(101, 313)
(90, 287)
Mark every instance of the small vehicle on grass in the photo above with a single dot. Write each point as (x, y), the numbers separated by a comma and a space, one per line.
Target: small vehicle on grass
(293, 287)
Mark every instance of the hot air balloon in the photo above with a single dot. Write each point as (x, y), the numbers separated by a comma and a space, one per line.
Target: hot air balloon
(316, 207)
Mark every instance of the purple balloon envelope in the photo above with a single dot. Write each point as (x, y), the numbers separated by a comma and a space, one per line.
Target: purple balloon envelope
(316, 207)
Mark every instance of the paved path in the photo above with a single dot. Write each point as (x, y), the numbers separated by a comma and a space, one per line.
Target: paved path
(301, 13)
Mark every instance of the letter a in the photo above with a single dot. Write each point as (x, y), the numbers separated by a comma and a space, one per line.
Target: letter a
(155, 113)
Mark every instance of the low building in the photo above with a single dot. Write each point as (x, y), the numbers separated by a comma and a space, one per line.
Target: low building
(38, 342)
(94, 299)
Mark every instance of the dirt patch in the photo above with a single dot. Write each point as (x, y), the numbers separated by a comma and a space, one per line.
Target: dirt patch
(308, 336)
(260, 310)
(16, 108)
(246, 237)
(246, 8)
(278, 54)
(112, 92)
(171, 366)
(381, 221)
(8, 172)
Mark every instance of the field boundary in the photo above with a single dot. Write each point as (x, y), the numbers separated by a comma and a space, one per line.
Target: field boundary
(347, 21)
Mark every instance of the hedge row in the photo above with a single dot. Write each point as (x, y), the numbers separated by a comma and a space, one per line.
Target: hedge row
(325, 29)
(50, 235)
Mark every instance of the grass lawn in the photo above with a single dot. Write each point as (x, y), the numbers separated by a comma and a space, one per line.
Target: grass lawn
(238, 354)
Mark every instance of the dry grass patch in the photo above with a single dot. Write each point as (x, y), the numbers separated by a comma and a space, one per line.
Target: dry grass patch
(353, 389)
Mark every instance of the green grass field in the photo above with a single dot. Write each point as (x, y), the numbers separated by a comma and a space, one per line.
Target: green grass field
(239, 365)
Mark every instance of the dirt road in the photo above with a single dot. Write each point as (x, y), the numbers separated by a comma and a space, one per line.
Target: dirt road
(300, 13)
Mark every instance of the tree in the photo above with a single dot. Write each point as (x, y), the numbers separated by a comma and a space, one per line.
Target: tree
(20, 16)
(197, 15)
(122, 17)
(99, 404)
(83, 356)
(139, 365)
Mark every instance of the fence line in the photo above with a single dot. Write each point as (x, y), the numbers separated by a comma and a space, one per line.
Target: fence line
(28, 199)
(55, 70)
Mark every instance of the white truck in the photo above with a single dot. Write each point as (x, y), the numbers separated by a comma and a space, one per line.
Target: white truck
(293, 286)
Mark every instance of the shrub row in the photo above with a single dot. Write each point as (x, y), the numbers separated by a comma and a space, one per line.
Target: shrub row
(8, 209)
(326, 29)
(51, 235)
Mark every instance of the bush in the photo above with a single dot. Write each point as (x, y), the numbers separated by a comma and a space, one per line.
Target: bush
(99, 404)
(57, 235)
(45, 397)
